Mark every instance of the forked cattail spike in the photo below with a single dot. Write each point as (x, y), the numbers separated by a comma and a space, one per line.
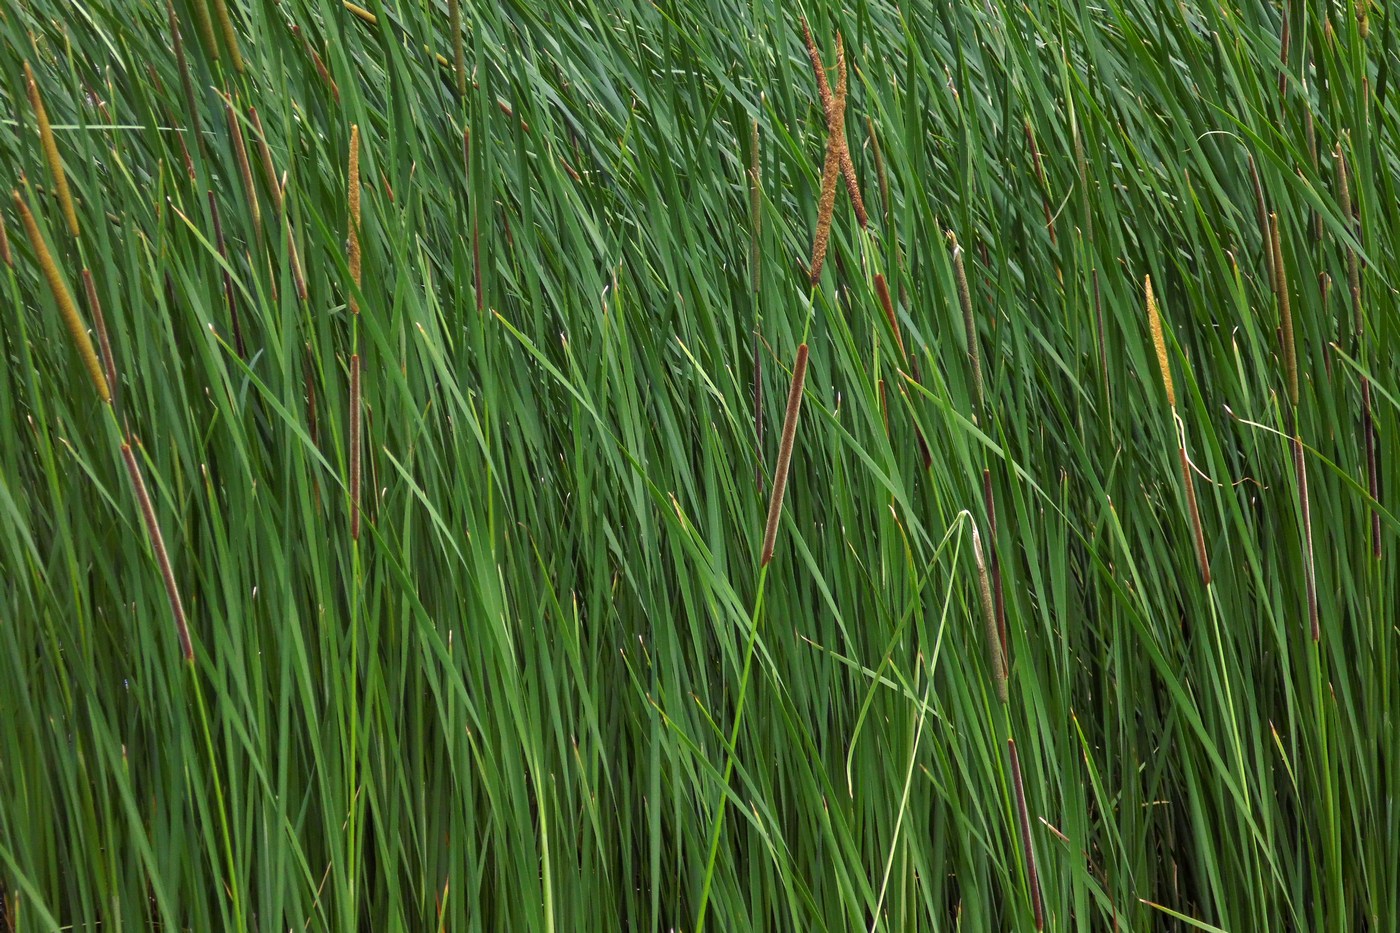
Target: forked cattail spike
(974, 351)
(1290, 356)
(1154, 319)
(823, 86)
(354, 197)
(46, 139)
(848, 167)
(64, 299)
(230, 35)
(148, 515)
(825, 206)
(355, 447)
(1023, 817)
(989, 618)
(780, 475)
(1309, 566)
(1199, 536)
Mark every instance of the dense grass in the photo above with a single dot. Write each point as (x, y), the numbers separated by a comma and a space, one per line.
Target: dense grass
(508, 704)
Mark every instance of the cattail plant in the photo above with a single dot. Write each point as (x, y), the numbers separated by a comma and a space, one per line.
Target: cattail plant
(230, 35)
(354, 198)
(5, 255)
(1261, 213)
(1290, 356)
(838, 157)
(989, 618)
(265, 160)
(64, 299)
(882, 291)
(186, 85)
(974, 352)
(50, 147)
(205, 24)
(1024, 819)
(148, 515)
(780, 475)
(1188, 479)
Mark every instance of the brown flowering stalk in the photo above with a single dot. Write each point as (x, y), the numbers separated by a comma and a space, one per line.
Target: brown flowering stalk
(838, 158)
(60, 179)
(775, 499)
(148, 515)
(989, 618)
(109, 361)
(66, 308)
(974, 352)
(354, 197)
(245, 170)
(1290, 356)
(1023, 817)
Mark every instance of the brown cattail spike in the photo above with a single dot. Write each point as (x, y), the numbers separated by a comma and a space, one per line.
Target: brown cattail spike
(882, 291)
(354, 186)
(1290, 356)
(989, 618)
(780, 476)
(838, 126)
(108, 361)
(1154, 319)
(148, 515)
(1349, 221)
(60, 178)
(5, 255)
(838, 160)
(355, 447)
(265, 158)
(1023, 817)
(64, 298)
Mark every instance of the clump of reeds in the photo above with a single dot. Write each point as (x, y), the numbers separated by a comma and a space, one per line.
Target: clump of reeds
(780, 475)
(148, 514)
(64, 299)
(50, 147)
(989, 618)
(1023, 817)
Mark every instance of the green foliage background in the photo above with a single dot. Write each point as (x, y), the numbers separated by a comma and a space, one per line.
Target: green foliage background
(508, 705)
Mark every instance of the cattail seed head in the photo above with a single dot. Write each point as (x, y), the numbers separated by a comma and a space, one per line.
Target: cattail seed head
(1023, 817)
(989, 618)
(46, 139)
(780, 476)
(230, 35)
(1290, 356)
(245, 171)
(354, 197)
(1189, 481)
(1154, 319)
(5, 255)
(64, 298)
(882, 291)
